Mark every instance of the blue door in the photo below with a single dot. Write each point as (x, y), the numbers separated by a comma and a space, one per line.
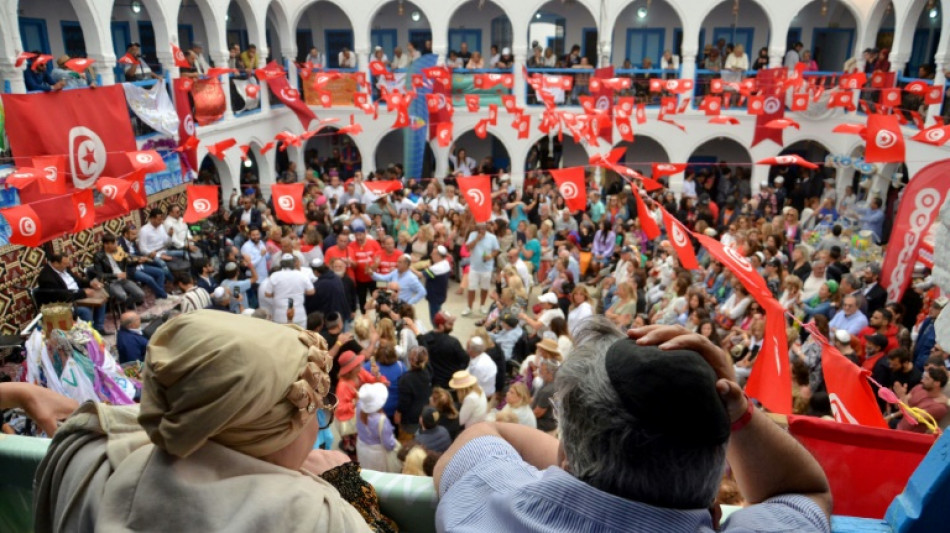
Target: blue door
(336, 40)
(923, 49)
(386, 39)
(73, 41)
(304, 44)
(645, 42)
(794, 36)
(186, 36)
(121, 38)
(33, 35)
(418, 39)
(831, 47)
(147, 40)
(743, 36)
(471, 37)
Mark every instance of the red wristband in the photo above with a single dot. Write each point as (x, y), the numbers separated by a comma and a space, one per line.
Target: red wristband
(743, 420)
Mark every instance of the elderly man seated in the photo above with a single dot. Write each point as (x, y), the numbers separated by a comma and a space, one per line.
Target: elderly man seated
(627, 459)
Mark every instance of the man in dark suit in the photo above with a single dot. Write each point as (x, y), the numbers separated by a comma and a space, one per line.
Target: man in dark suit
(245, 216)
(129, 340)
(114, 268)
(875, 295)
(57, 284)
(329, 292)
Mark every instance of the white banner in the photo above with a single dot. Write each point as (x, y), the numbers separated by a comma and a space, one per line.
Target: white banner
(153, 106)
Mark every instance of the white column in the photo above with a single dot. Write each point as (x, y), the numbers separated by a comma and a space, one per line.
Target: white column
(519, 89)
(441, 159)
(899, 62)
(776, 55)
(939, 79)
(688, 64)
(104, 68)
(12, 77)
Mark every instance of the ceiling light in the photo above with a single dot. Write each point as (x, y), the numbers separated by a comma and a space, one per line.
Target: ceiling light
(933, 13)
(537, 16)
(136, 6)
(415, 16)
(247, 163)
(641, 13)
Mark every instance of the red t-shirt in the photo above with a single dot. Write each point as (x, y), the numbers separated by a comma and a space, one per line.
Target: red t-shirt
(335, 252)
(363, 256)
(387, 261)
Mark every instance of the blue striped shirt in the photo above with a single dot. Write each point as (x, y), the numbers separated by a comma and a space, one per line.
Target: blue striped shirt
(488, 487)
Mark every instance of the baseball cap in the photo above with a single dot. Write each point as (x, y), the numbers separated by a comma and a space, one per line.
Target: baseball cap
(548, 298)
(641, 376)
(877, 339)
(843, 336)
(441, 318)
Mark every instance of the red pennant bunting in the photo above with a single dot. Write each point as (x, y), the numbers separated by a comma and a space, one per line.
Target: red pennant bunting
(624, 106)
(25, 228)
(23, 177)
(268, 147)
(570, 184)
(147, 161)
(444, 134)
(756, 105)
(668, 105)
(641, 113)
(402, 120)
(85, 210)
(934, 95)
(679, 238)
(782, 123)
(712, 105)
(53, 180)
(481, 128)
(493, 114)
(624, 128)
(508, 100)
(252, 90)
(477, 192)
(667, 169)
(852, 129)
(179, 57)
(288, 203)
(114, 189)
(320, 79)
(800, 102)
(215, 72)
(79, 64)
(647, 223)
(853, 81)
(792, 159)
(724, 119)
(715, 86)
(885, 141)
(935, 135)
(217, 149)
(137, 196)
(843, 99)
(380, 188)
(41, 59)
(917, 87)
(23, 56)
(128, 59)
(202, 202)
(471, 101)
(523, 125)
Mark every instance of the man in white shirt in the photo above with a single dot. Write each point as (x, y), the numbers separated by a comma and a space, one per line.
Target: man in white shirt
(793, 56)
(153, 241)
(400, 60)
(287, 288)
(481, 366)
(256, 252)
(334, 189)
(201, 64)
(814, 281)
(514, 259)
(379, 55)
(483, 247)
(178, 233)
(316, 58)
(347, 59)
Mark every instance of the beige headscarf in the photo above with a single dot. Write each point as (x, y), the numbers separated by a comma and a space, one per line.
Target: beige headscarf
(245, 383)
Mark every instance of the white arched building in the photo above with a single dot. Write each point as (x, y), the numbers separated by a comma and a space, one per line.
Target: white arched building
(609, 32)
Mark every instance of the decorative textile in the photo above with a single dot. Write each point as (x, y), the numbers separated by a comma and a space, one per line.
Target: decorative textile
(153, 106)
(209, 101)
(250, 102)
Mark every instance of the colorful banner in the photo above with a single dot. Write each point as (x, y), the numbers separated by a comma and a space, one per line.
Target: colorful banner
(920, 204)
(415, 137)
(341, 90)
(464, 83)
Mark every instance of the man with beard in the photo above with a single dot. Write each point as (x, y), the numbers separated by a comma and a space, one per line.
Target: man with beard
(362, 253)
(446, 355)
(349, 290)
(928, 395)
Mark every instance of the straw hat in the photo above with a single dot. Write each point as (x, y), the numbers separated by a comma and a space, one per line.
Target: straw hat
(349, 360)
(462, 380)
(550, 346)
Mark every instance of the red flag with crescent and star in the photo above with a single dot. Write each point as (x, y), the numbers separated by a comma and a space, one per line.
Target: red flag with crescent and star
(770, 85)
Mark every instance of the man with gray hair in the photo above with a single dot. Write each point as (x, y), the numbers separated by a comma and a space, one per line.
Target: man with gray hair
(626, 461)
(481, 366)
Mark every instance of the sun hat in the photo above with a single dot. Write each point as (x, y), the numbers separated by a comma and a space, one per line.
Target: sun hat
(550, 346)
(462, 380)
(350, 360)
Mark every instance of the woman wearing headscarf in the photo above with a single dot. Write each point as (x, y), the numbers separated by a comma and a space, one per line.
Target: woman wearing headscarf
(228, 416)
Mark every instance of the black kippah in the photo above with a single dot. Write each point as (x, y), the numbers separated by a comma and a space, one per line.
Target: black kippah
(672, 393)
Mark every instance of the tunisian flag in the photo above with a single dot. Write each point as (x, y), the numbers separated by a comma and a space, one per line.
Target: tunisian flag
(85, 207)
(288, 203)
(885, 141)
(186, 122)
(850, 394)
(604, 102)
(647, 223)
(570, 183)
(202, 202)
(290, 97)
(920, 204)
(92, 128)
(210, 103)
(770, 381)
(679, 238)
(25, 228)
(477, 192)
(773, 105)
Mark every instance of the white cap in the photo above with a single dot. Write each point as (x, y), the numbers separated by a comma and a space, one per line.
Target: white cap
(316, 263)
(842, 336)
(218, 293)
(549, 298)
(287, 257)
(779, 180)
(442, 251)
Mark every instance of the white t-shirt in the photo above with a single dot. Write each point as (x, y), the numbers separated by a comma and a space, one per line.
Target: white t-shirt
(741, 62)
(485, 370)
(548, 315)
(576, 315)
(287, 284)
